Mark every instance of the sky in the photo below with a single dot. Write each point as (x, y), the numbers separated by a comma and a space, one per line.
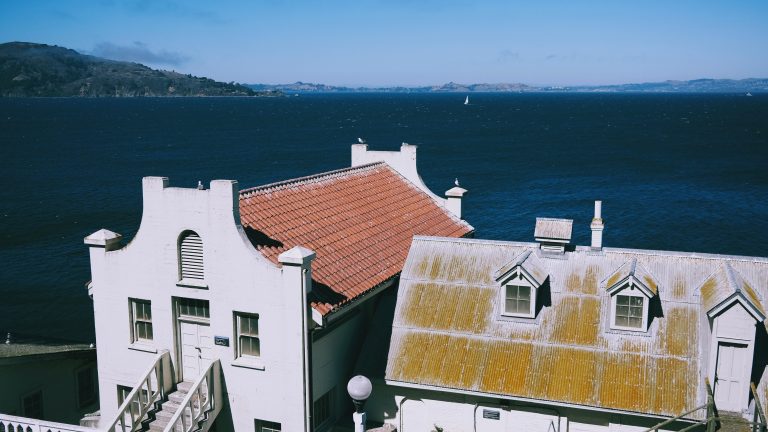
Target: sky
(410, 42)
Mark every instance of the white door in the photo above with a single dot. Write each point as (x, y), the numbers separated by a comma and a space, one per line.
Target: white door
(196, 348)
(730, 368)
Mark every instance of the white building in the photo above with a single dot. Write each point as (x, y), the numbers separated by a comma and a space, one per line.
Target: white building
(507, 336)
(260, 297)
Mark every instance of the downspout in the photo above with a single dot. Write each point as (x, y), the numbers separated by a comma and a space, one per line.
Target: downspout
(307, 352)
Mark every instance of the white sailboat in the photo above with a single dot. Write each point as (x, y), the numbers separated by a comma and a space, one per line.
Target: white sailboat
(749, 94)
(466, 101)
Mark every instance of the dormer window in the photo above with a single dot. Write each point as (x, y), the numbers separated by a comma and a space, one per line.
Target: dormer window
(519, 283)
(631, 288)
(630, 311)
(519, 301)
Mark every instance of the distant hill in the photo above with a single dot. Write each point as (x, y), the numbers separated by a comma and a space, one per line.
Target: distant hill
(753, 85)
(29, 69)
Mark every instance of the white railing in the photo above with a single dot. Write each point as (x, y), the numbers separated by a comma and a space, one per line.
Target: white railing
(9, 423)
(150, 389)
(204, 398)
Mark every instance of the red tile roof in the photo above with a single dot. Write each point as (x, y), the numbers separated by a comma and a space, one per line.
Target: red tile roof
(360, 221)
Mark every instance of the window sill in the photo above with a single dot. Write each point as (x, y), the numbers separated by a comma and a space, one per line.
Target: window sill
(248, 363)
(138, 346)
(192, 283)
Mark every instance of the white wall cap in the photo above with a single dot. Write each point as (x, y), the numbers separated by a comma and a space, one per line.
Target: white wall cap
(103, 238)
(154, 183)
(297, 255)
(455, 192)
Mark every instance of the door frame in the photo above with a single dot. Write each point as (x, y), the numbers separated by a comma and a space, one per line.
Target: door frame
(177, 320)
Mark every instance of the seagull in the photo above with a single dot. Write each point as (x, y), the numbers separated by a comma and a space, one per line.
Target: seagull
(200, 185)
(456, 182)
(361, 141)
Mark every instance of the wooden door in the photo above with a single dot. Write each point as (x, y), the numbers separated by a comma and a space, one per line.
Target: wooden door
(196, 348)
(730, 369)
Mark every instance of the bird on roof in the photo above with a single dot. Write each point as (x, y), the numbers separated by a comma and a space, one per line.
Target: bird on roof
(200, 185)
(361, 141)
(456, 182)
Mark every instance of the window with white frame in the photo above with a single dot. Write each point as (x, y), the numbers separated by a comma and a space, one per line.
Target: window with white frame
(518, 300)
(141, 321)
(323, 409)
(629, 311)
(190, 256)
(248, 344)
(267, 426)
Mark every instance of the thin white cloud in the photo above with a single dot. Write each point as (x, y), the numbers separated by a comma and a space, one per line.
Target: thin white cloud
(138, 52)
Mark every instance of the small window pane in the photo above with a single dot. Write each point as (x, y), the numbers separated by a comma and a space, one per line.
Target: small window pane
(524, 292)
(629, 311)
(247, 337)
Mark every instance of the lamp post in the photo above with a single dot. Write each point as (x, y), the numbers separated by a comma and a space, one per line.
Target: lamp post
(359, 389)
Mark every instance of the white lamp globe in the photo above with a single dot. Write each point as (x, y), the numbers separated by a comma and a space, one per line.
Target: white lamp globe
(359, 389)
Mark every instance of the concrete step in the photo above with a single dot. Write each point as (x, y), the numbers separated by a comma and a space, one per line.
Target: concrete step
(733, 422)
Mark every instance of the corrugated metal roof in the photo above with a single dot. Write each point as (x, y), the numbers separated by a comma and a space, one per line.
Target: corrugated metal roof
(447, 331)
(725, 282)
(555, 229)
(359, 221)
(633, 270)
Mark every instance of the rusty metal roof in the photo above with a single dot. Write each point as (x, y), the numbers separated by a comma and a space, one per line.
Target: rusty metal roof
(637, 274)
(724, 283)
(447, 331)
(359, 221)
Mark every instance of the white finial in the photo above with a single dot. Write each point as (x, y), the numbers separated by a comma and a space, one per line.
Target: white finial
(361, 141)
(200, 185)
(456, 182)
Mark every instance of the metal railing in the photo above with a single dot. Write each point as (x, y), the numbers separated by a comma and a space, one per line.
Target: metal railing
(11, 423)
(150, 389)
(710, 421)
(758, 420)
(203, 401)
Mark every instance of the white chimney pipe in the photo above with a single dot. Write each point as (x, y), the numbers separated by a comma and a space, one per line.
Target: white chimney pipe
(597, 227)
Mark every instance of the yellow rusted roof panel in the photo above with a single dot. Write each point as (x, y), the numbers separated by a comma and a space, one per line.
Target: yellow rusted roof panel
(448, 331)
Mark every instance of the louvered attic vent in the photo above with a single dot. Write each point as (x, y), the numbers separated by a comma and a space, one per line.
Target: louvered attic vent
(191, 256)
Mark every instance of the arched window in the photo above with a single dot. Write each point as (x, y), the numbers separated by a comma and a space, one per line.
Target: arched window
(190, 256)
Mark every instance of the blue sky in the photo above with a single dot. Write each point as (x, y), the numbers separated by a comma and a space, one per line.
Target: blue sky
(410, 42)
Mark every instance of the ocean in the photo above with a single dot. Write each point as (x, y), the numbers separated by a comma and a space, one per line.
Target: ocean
(686, 172)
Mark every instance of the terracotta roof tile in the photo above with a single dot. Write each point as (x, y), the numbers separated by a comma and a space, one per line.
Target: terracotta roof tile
(359, 221)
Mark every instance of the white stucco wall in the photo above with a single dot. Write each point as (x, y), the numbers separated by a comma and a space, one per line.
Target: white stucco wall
(238, 278)
(421, 409)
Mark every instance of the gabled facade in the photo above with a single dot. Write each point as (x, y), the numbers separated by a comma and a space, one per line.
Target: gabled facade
(591, 358)
(260, 294)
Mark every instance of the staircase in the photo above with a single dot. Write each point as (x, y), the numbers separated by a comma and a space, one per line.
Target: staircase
(168, 409)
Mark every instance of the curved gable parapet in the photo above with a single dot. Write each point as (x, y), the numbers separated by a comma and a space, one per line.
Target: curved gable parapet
(213, 213)
(403, 161)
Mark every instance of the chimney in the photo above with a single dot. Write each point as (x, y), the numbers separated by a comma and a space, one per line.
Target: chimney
(453, 198)
(597, 227)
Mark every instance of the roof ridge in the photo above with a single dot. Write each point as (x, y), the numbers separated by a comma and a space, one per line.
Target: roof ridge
(306, 179)
(585, 249)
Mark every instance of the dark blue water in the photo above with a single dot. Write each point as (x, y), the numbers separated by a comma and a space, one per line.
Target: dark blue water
(675, 172)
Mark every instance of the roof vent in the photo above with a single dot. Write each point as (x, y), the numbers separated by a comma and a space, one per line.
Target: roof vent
(553, 234)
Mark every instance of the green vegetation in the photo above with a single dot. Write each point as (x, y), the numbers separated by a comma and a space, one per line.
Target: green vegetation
(28, 69)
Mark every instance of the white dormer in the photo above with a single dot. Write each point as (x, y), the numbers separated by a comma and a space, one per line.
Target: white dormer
(631, 288)
(519, 284)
